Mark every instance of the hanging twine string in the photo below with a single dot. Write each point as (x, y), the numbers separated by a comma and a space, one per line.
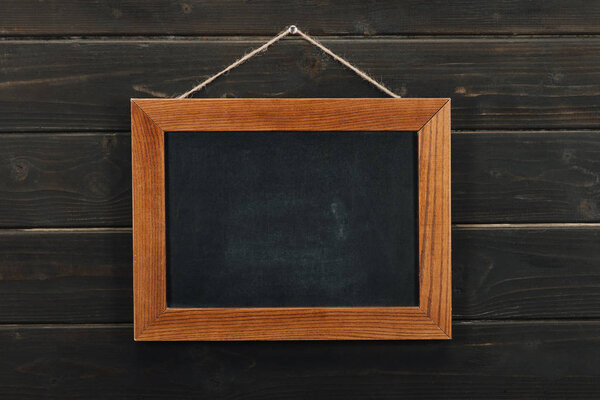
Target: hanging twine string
(293, 30)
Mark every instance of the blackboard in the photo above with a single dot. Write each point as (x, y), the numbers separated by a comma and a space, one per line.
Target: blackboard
(291, 219)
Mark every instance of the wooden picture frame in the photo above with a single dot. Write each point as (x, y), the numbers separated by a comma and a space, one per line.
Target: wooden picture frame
(153, 320)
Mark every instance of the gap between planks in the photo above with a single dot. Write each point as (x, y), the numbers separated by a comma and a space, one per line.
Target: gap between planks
(260, 38)
(482, 322)
(541, 225)
(95, 132)
(65, 229)
(525, 225)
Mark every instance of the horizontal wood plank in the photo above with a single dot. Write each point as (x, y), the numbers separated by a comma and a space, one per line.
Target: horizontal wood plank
(494, 83)
(552, 360)
(66, 276)
(336, 17)
(498, 273)
(62, 180)
(525, 177)
(84, 180)
(526, 272)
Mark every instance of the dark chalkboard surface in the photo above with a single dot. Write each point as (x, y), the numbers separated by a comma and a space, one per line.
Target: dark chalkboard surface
(291, 219)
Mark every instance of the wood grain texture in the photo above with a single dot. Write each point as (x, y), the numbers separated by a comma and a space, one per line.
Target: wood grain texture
(84, 180)
(65, 180)
(83, 82)
(526, 177)
(257, 324)
(435, 272)
(336, 17)
(149, 246)
(154, 321)
(494, 83)
(65, 275)
(85, 276)
(354, 114)
(522, 272)
(499, 360)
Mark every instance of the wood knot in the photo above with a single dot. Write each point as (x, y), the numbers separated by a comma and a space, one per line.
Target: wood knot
(186, 8)
(19, 169)
(98, 184)
(588, 208)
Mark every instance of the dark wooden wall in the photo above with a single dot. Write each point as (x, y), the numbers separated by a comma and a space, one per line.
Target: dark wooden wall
(524, 77)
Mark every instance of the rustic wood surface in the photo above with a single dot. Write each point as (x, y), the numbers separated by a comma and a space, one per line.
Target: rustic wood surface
(524, 79)
(527, 271)
(60, 180)
(501, 360)
(334, 17)
(506, 272)
(526, 177)
(521, 83)
(84, 180)
(65, 276)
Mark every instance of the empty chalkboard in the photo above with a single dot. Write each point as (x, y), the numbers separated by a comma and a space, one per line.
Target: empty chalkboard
(291, 219)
